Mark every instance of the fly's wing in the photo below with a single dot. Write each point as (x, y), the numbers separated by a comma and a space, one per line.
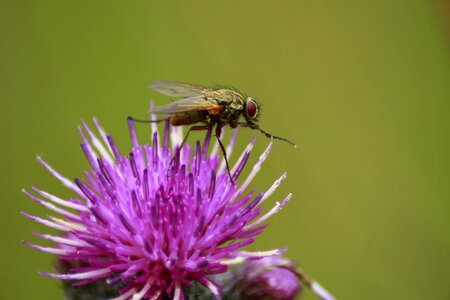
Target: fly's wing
(187, 104)
(177, 89)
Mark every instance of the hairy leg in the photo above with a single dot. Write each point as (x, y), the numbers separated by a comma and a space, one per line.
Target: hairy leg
(222, 148)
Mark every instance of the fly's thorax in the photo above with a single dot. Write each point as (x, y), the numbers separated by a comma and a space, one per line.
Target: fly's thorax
(225, 96)
(187, 118)
(231, 102)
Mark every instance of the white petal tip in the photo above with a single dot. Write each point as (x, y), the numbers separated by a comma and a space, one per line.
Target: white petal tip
(321, 292)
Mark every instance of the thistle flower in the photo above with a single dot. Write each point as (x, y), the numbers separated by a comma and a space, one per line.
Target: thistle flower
(157, 220)
(268, 278)
(274, 277)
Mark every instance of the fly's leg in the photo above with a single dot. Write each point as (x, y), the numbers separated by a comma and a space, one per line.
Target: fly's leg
(193, 128)
(146, 121)
(218, 132)
(267, 134)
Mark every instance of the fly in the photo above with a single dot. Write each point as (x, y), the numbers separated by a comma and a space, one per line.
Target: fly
(219, 107)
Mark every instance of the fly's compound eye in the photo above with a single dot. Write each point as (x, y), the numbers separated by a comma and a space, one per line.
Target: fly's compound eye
(252, 108)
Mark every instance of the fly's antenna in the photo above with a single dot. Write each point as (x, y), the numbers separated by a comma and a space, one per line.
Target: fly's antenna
(271, 136)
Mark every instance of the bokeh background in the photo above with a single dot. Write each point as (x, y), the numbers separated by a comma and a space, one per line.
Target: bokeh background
(362, 86)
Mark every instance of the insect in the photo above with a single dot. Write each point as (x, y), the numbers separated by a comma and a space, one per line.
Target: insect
(217, 106)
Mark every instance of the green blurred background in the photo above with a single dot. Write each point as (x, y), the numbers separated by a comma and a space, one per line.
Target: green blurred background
(363, 87)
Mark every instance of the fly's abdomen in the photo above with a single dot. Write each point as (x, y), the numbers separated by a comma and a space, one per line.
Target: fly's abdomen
(187, 118)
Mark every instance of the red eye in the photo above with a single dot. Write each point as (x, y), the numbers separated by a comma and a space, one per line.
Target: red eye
(251, 108)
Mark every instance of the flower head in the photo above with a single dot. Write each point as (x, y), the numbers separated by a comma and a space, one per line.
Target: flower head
(155, 220)
(269, 278)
